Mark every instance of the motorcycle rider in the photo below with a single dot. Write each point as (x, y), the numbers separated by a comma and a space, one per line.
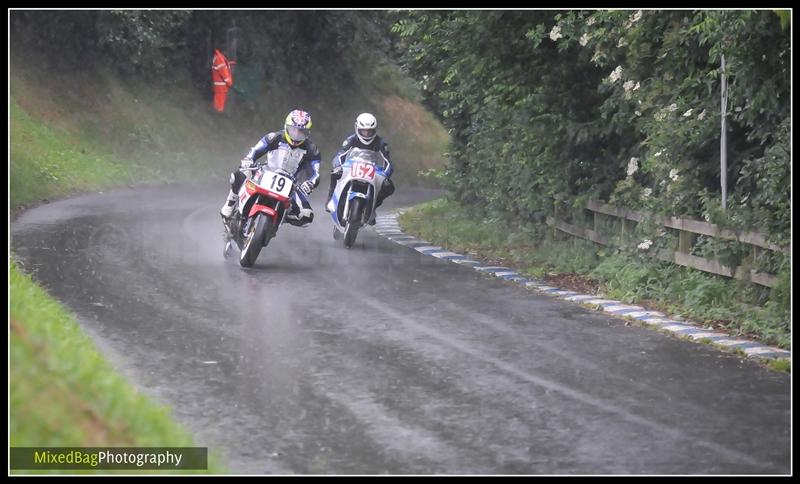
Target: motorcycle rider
(297, 127)
(365, 137)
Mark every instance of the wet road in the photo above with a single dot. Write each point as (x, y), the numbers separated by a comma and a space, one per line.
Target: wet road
(323, 360)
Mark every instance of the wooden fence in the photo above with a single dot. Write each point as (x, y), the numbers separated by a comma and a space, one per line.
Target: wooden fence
(688, 230)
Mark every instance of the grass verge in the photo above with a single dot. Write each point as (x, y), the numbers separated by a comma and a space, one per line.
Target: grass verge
(63, 393)
(48, 163)
(717, 302)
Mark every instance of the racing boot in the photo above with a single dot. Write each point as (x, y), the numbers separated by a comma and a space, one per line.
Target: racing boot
(336, 174)
(330, 194)
(227, 208)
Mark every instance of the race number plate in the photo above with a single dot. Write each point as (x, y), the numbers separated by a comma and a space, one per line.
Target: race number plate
(277, 183)
(362, 170)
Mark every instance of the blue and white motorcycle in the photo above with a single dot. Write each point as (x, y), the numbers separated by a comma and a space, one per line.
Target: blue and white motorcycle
(353, 202)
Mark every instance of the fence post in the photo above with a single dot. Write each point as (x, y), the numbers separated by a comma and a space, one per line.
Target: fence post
(754, 262)
(623, 231)
(723, 142)
(685, 241)
(556, 215)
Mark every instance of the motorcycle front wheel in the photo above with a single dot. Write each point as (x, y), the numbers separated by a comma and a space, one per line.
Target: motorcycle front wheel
(255, 239)
(353, 221)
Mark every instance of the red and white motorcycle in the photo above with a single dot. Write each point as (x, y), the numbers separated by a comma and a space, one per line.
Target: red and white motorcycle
(264, 200)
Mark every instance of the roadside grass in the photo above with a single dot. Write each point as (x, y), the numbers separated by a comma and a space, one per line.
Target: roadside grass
(118, 133)
(715, 301)
(63, 393)
(781, 364)
(47, 163)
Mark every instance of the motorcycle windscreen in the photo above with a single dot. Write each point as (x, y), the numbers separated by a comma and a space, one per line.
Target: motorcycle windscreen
(367, 156)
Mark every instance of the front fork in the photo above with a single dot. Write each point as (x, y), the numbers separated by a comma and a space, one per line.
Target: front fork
(232, 227)
(228, 233)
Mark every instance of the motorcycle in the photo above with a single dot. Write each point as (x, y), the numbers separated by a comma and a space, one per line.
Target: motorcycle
(352, 204)
(264, 200)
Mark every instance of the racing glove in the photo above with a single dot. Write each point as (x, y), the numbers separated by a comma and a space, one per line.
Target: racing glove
(307, 187)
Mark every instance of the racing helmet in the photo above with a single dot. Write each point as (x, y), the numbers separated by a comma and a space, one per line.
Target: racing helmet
(366, 127)
(297, 127)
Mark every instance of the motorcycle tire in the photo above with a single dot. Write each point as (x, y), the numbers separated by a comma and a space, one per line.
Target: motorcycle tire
(255, 240)
(353, 221)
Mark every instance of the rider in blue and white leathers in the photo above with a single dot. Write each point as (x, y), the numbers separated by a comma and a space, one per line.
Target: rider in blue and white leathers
(365, 137)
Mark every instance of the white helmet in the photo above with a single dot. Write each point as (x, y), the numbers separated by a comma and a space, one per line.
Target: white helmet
(366, 127)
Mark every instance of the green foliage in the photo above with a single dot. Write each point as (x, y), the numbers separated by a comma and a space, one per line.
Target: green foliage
(142, 40)
(574, 256)
(615, 104)
(500, 98)
(300, 49)
(628, 279)
(459, 228)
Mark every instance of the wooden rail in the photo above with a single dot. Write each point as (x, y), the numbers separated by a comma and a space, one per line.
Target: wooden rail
(689, 225)
(687, 229)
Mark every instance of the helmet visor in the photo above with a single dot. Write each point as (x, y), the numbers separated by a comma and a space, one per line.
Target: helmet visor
(297, 134)
(367, 133)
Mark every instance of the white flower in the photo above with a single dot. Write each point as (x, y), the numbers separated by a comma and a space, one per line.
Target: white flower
(658, 153)
(647, 192)
(672, 107)
(622, 42)
(646, 243)
(633, 166)
(638, 113)
(635, 88)
(673, 174)
(707, 217)
(633, 19)
(702, 115)
(687, 113)
(615, 74)
(591, 20)
(628, 85)
(555, 34)
(584, 39)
